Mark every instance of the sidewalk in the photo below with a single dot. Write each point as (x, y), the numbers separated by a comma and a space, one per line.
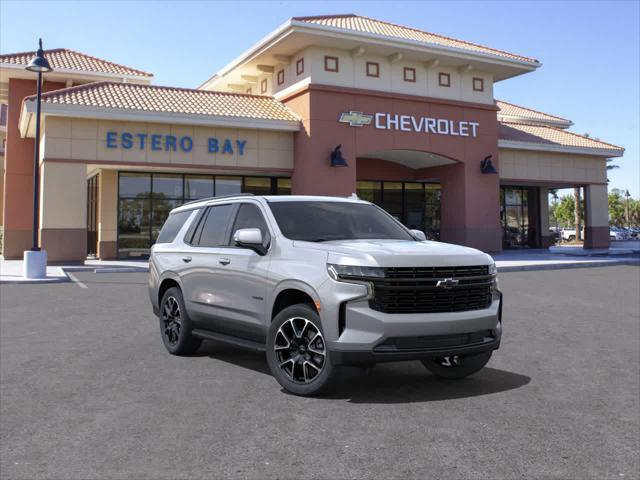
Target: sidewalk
(507, 261)
(11, 270)
(544, 259)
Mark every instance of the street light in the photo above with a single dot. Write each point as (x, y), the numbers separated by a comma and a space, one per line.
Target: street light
(35, 260)
(626, 207)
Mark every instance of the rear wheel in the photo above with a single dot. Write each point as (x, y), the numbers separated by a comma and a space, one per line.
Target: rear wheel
(457, 366)
(175, 325)
(297, 353)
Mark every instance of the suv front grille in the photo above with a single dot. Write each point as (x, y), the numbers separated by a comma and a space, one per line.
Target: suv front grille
(415, 290)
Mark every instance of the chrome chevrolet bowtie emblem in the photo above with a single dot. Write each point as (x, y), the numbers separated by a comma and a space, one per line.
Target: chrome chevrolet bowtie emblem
(447, 282)
(355, 119)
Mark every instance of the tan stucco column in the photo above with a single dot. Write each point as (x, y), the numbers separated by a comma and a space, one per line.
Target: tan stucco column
(63, 211)
(107, 214)
(596, 216)
(546, 240)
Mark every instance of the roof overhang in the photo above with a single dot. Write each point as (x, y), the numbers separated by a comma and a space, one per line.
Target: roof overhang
(27, 118)
(294, 35)
(533, 121)
(13, 70)
(555, 148)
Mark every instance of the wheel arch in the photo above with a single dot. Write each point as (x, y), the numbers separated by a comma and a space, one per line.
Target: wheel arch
(293, 293)
(169, 280)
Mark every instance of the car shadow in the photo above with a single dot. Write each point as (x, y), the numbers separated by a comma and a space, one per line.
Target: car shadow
(386, 383)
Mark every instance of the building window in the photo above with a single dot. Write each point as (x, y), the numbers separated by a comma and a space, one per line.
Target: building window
(444, 79)
(248, 91)
(331, 64)
(280, 77)
(409, 74)
(145, 200)
(373, 69)
(263, 86)
(478, 84)
(300, 66)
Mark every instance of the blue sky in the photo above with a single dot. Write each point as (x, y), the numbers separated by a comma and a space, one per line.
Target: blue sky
(589, 50)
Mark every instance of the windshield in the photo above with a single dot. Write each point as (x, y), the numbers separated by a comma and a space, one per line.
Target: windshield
(317, 221)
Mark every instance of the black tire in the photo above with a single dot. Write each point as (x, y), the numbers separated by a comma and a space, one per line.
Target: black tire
(175, 325)
(571, 238)
(445, 367)
(297, 353)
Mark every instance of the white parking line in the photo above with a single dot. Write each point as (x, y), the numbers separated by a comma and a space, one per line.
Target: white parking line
(75, 280)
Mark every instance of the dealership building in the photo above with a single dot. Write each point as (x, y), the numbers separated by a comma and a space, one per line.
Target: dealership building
(331, 105)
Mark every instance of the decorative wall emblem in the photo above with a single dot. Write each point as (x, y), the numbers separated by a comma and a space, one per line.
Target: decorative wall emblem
(356, 119)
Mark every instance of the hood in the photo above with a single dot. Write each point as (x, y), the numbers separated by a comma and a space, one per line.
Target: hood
(398, 253)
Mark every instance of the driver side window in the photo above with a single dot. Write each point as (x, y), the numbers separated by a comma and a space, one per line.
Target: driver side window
(250, 216)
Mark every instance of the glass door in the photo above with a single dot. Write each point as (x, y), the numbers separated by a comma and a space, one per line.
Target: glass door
(92, 216)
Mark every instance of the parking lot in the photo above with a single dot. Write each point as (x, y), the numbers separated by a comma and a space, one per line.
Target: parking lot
(88, 391)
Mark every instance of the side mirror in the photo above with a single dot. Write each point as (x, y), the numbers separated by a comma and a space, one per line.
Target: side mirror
(418, 235)
(250, 238)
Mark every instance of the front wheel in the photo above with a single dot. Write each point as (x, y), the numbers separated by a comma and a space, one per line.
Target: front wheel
(455, 366)
(297, 353)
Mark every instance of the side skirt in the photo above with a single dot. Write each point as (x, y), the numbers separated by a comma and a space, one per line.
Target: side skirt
(221, 337)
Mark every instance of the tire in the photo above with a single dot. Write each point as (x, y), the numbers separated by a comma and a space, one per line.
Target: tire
(175, 325)
(297, 353)
(468, 365)
(571, 238)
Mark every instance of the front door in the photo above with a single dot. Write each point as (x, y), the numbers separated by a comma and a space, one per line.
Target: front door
(92, 216)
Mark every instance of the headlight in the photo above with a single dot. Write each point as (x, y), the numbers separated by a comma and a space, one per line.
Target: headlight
(493, 270)
(354, 272)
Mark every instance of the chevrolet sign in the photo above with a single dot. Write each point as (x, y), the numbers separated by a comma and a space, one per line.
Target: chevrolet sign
(355, 119)
(410, 123)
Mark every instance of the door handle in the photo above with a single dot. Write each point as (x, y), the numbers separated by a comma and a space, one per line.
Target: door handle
(224, 261)
(186, 259)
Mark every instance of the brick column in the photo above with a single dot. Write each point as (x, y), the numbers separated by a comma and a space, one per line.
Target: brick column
(596, 217)
(546, 240)
(18, 177)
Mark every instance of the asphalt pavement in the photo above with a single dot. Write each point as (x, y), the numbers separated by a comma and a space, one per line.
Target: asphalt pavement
(88, 392)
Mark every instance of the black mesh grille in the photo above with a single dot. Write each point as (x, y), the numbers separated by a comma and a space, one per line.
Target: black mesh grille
(416, 290)
(434, 342)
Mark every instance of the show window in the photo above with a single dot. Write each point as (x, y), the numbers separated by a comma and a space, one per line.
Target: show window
(263, 86)
(280, 77)
(373, 69)
(331, 64)
(478, 84)
(300, 66)
(145, 200)
(409, 74)
(444, 79)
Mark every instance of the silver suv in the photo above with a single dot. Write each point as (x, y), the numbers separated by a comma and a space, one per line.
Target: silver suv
(318, 282)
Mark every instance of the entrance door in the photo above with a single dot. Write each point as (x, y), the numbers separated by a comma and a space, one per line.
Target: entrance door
(519, 217)
(92, 216)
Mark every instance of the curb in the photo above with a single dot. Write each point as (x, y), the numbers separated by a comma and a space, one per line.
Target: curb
(565, 266)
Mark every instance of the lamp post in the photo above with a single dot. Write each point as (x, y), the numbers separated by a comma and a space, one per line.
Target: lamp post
(626, 208)
(35, 260)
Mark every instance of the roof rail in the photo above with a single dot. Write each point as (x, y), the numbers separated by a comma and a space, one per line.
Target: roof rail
(232, 195)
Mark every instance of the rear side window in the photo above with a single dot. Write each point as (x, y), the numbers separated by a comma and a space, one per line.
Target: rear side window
(172, 226)
(213, 228)
(249, 216)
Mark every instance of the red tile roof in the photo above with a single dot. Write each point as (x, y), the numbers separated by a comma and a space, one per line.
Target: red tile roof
(370, 25)
(544, 135)
(65, 59)
(513, 110)
(152, 98)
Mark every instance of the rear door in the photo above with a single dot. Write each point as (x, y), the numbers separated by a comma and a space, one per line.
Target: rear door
(202, 293)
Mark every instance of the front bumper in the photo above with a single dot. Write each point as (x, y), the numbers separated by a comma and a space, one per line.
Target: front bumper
(372, 337)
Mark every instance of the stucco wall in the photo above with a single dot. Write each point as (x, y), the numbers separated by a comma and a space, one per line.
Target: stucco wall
(352, 73)
(85, 140)
(551, 167)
